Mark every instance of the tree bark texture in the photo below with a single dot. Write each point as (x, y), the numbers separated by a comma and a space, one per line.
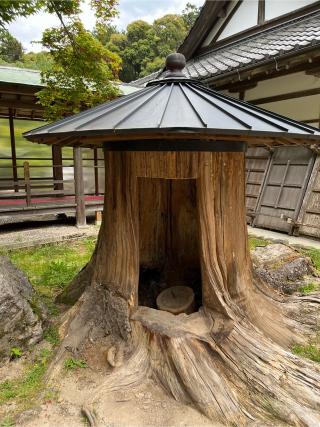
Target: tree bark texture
(181, 213)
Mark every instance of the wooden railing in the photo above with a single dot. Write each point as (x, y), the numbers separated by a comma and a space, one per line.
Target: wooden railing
(35, 194)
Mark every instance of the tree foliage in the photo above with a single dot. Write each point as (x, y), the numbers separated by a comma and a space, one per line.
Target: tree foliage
(143, 47)
(78, 65)
(77, 68)
(81, 74)
(10, 48)
(13, 9)
(190, 14)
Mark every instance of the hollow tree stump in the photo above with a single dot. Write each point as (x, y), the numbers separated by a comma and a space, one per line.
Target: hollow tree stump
(179, 212)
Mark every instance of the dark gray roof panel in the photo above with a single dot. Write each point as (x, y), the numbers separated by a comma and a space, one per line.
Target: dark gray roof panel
(171, 105)
(295, 35)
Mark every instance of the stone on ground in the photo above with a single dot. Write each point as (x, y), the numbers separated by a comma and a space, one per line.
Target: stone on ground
(283, 267)
(20, 326)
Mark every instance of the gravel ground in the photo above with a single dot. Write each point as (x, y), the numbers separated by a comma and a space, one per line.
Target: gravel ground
(36, 233)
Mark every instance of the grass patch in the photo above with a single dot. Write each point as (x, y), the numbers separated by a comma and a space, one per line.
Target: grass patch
(308, 288)
(255, 242)
(51, 267)
(7, 422)
(71, 364)
(15, 353)
(51, 334)
(314, 254)
(25, 389)
(310, 351)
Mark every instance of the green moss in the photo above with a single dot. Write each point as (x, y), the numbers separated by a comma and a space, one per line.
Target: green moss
(254, 242)
(310, 351)
(308, 288)
(71, 364)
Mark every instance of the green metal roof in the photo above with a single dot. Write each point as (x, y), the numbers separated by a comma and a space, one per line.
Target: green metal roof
(20, 75)
(29, 77)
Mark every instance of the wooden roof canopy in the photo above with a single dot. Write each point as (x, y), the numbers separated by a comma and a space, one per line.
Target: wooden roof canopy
(175, 113)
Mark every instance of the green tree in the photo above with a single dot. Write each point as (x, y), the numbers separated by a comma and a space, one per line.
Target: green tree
(170, 31)
(104, 33)
(81, 73)
(139, 49)
(190, 14)
(37, 60)
(10, 48)
(152, 66)
(13, 9)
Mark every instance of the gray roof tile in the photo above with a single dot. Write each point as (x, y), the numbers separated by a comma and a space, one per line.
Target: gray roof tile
(271, 43)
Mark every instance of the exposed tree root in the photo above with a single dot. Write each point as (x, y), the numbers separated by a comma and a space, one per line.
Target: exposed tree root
(229, 370)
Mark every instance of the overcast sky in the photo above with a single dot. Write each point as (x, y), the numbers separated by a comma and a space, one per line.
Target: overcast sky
(27, 30)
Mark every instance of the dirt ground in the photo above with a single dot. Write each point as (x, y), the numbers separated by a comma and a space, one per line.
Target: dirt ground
(146, 405)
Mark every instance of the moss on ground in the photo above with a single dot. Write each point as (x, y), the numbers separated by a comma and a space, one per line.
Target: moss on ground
(255, 242)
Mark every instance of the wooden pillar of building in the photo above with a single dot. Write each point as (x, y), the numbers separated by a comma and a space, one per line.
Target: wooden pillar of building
(57, 168)
(79, 187)
(13, 152)
(98, 214)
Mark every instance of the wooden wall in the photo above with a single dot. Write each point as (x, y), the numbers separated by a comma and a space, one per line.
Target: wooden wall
(297, 96)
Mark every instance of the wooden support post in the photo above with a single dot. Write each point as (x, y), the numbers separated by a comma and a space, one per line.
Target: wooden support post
(98, 220)
(79, 187)
(98, 214)
(261, 12)
(96, 171)
(13, 152)
(57, 169)
(26, 173)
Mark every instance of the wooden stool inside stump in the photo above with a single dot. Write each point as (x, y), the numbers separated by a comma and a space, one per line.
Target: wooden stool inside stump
(176, 300)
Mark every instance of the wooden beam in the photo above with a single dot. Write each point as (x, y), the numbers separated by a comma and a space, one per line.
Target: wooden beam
(315, 120)
(79, 188)
(26, 173)
(13, 152)
(57, 168)
(209, 15)
(261, 12)
(284, 96)
(12, 103)
(39, 118)
(21, 89)
(226, 22)
(96, 171)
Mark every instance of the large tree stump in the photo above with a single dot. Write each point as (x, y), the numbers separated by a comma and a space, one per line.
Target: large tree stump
(182, 216)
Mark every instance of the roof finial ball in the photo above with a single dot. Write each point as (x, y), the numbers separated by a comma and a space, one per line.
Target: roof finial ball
(175, 63)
